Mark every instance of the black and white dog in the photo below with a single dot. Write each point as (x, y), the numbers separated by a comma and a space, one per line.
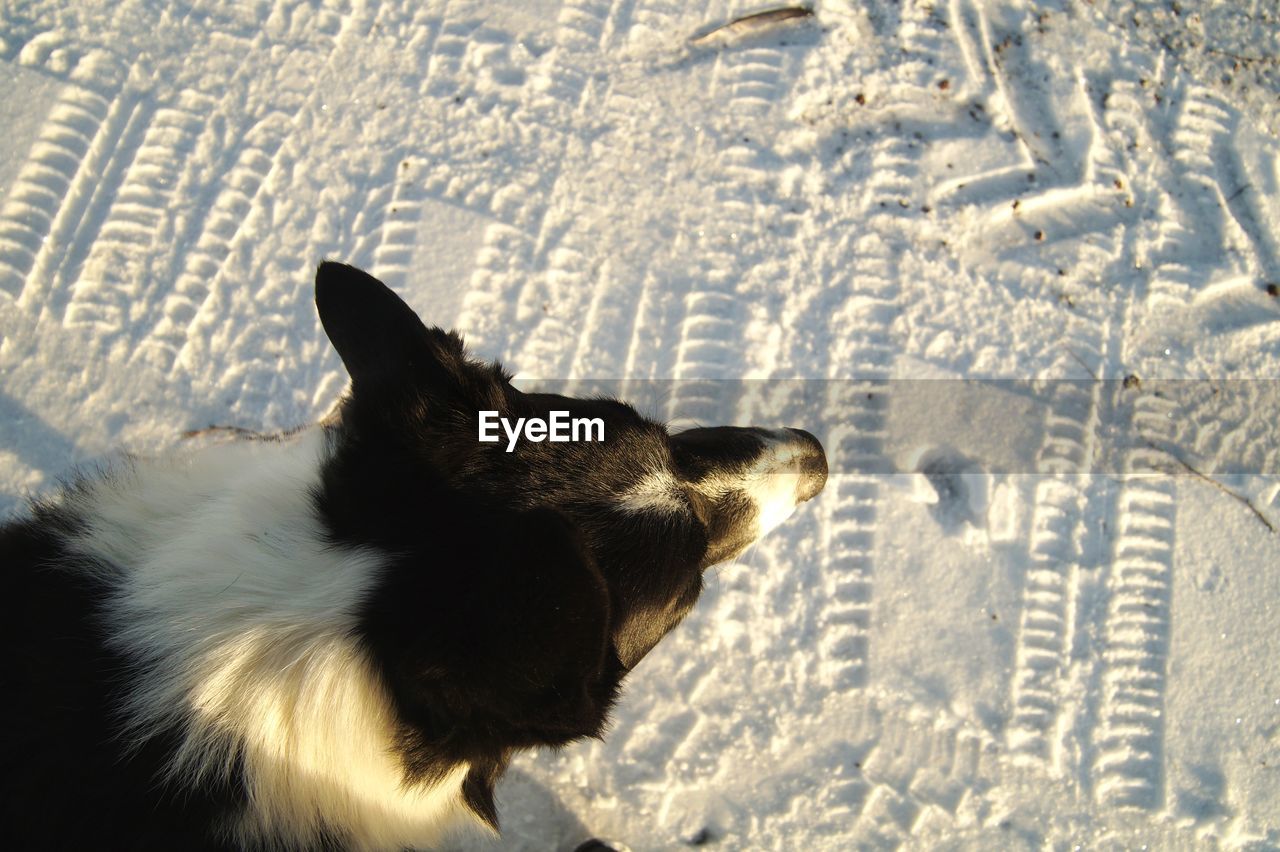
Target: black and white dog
(337, 638)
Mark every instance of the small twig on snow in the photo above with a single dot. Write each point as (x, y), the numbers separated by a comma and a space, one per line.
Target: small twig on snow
(749, 24)
(1216, 484)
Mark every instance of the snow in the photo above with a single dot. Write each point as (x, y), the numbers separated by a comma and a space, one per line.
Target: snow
(1014, 263)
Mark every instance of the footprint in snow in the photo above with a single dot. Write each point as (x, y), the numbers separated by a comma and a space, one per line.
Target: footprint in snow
(954, 488)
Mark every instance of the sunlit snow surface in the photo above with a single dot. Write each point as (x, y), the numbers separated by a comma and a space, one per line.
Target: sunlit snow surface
(1015, 265)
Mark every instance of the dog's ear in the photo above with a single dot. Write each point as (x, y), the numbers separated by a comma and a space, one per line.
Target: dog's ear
(504, 635)
(547, 606)
(378, 336)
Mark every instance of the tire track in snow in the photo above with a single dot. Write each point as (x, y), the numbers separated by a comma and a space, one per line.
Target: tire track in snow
(1130, 763)
(482, 77)
(648, 317)
(571, 292)
(113, 279)
(1198, 137)
(473, 71)
(504, 267)
(1176, 239)
(1048, 696)
(126, 123)
(863, 350)
(401, 220)
(1069, 186)
(858, 400)
(562, 345)
(216, 201)
(234, 143)
(296, 103)
(392, 256)
(219, 184)
(709, 347)
(1128, 766)
(1057, 681)
(1042, 640)
(509, 294)
(42, 213)
(559, 304)
(283, 349)
(358, 226)
(613, 313)
(31, 206)
(448, 51)
(1204, 148)
(581, 27)
(166, 346)
(451, 46)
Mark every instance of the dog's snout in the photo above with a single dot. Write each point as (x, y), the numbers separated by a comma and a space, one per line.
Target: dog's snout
(811, 462)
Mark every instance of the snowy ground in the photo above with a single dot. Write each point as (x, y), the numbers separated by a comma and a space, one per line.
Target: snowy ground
(1010, 261)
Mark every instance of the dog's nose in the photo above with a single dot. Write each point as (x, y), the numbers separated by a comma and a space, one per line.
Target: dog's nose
(811, 462)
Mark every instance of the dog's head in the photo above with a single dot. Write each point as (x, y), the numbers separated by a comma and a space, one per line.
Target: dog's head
(526, 579)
